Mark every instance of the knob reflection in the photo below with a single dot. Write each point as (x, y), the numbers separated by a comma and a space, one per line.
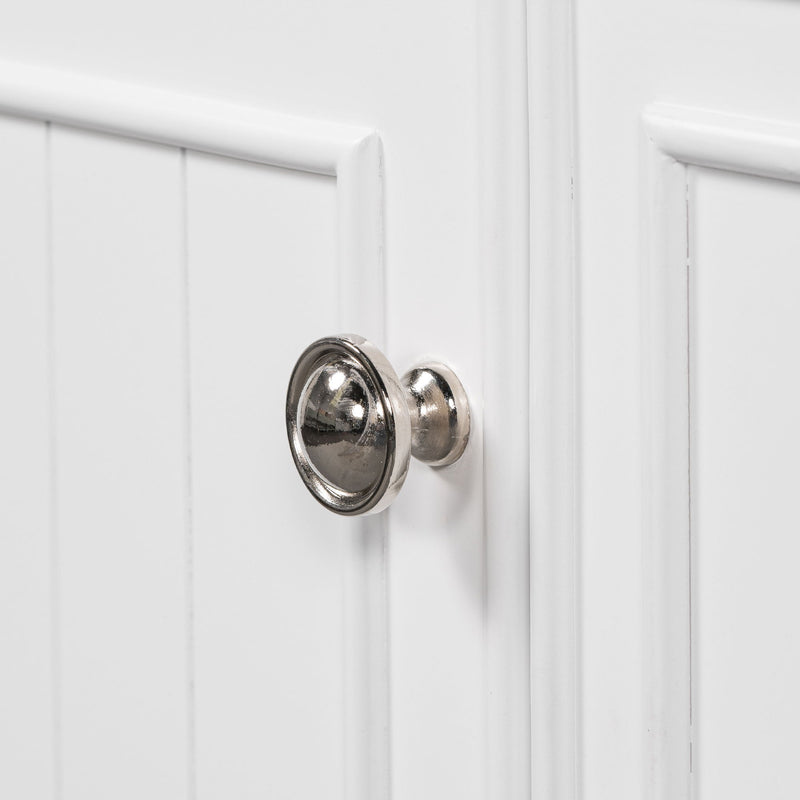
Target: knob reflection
(343, 426)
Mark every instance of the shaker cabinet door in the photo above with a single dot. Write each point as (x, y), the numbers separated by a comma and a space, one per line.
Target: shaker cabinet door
(191, 194)
(687, 194)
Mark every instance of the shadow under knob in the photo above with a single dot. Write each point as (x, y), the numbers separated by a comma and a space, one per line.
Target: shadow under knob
(353, 424)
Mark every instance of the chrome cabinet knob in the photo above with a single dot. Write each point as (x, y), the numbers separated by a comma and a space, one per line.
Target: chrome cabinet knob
(353, 424)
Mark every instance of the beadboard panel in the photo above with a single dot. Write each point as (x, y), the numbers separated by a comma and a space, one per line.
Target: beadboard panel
(27, 741)
(121, 465)
(182, 619)
(268, 562)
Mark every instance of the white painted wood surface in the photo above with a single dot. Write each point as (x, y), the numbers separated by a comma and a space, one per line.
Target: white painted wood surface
(166, 631)
(745, 394)
(677, 141)
(659, 89)
(504, 250)
(28, 666)
(554, 547)
(390, 658)
(268, 567)
(120, 464)
(167, 597)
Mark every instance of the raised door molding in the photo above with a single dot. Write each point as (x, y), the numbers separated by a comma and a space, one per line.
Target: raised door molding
(352, 155)
(674, 139)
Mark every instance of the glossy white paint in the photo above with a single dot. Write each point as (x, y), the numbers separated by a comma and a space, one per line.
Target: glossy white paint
(173, 118)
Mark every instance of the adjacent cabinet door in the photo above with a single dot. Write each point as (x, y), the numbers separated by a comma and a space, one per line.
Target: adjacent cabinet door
(190, 194)
(686, 230)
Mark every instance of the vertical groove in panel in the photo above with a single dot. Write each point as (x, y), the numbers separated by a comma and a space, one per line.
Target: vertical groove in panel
(187, 433)
(121, 503)
(26, 658)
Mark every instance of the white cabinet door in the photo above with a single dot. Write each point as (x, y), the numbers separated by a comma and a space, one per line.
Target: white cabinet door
(191, 193)
(682, 232)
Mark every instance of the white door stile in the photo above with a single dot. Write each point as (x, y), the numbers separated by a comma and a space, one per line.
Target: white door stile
(27, 666)
(555, 627)
(120, 396)
(504, 247)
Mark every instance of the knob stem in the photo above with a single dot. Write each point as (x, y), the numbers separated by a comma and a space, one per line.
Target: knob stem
(439, 412)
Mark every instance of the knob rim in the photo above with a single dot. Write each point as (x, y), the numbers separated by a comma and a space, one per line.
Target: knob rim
(390, 394)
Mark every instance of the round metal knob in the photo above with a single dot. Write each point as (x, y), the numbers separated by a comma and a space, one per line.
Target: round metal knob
(353, 424)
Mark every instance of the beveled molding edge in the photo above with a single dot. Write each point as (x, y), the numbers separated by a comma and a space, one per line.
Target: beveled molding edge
(176, 118)
(675, 138)
(351, 154)
(738, 143)
(354, 157)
